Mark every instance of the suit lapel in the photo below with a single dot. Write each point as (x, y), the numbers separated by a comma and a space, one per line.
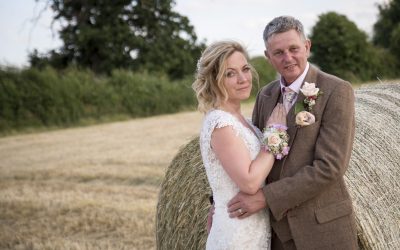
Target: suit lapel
(270, 101)
(291, 117)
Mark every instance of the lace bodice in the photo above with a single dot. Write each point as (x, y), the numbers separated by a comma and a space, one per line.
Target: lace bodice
(226, 233)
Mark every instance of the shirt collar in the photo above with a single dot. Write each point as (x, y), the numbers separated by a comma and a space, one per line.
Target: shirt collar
(296, 85)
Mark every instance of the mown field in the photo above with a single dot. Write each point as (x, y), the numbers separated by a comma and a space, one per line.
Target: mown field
(91, 187)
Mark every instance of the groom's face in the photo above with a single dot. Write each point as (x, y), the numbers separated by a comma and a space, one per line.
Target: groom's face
(288, 54)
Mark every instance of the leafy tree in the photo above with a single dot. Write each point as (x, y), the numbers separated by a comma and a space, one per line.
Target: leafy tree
(132, 34)
(340, 48)
(395, 41)
(387, 36)
(387, 24)
(266, 73)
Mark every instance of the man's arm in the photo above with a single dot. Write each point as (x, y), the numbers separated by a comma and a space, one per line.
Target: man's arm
(249, 204)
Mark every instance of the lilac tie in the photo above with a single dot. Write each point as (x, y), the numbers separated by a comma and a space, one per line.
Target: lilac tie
(288, 97)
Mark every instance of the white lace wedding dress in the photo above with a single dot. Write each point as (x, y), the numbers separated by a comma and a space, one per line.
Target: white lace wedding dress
(253, 232)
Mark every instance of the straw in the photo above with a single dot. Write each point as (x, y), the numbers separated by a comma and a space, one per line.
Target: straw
(372, 178)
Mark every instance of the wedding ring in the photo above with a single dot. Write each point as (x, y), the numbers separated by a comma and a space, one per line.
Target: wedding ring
(240, 211)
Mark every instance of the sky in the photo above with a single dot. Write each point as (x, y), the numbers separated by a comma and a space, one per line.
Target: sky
(21, 31)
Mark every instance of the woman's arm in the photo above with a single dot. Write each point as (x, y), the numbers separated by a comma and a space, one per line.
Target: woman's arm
(235, 158)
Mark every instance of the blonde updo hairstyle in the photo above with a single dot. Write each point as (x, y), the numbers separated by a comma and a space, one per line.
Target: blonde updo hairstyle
(211, 68)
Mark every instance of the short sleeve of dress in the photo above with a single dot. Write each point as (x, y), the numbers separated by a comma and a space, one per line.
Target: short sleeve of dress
(217, 119)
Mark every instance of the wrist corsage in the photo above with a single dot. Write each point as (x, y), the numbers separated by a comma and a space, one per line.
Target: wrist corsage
(275, 140)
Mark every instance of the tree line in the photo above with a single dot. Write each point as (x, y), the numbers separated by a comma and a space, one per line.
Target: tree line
(148, 35)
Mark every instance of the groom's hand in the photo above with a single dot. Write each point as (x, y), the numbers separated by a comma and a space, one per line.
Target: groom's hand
(243, 205)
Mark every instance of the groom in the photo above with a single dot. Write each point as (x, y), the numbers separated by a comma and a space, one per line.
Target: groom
(307, 197)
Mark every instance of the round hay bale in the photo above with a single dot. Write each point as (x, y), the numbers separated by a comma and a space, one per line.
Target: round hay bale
(374, 172)
(183, 202)
(372, 179)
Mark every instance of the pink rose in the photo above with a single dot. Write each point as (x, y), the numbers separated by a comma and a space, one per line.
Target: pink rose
(309, 89)
(305, 118)
(274, 140)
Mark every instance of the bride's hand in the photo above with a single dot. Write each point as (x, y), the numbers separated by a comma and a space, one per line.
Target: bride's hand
(278, 115)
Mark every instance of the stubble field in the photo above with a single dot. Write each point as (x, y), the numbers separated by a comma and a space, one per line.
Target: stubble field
(90, 187)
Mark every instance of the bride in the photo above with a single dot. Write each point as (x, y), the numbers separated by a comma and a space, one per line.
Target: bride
(232, 149)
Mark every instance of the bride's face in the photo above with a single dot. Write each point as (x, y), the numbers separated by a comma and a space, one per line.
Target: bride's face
(238, 77)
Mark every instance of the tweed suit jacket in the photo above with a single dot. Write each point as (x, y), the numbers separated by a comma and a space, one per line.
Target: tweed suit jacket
(306, 192)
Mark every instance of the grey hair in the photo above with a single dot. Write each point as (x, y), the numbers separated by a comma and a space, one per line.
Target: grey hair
(282, 24)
